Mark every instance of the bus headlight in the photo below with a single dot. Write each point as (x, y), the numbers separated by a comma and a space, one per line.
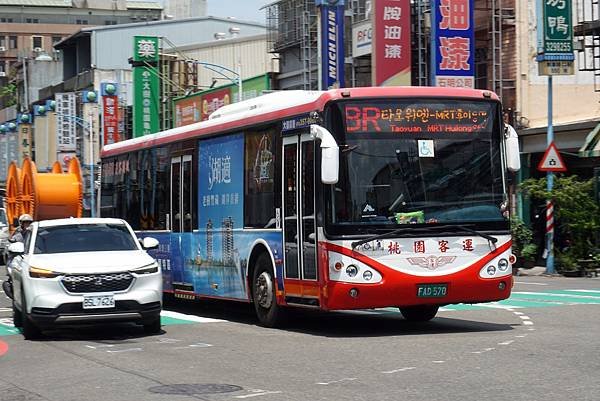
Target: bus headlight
(503, 265)
(368, 275)
(351, 270)
(491, 270)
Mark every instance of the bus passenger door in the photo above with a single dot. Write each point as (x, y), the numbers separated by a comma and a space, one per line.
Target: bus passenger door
(299, 225)
(180, 219)
(181, 194)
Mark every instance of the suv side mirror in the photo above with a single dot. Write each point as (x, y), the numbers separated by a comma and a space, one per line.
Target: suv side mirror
(149, 243)
(16, 248)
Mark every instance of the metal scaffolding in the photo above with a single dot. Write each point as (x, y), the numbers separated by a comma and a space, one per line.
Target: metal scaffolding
(588, 45)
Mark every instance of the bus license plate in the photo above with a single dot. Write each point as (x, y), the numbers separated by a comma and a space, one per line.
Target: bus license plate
(98, 301)
(432, 290)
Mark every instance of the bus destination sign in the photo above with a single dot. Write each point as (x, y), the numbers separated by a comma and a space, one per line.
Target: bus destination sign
(423, 118)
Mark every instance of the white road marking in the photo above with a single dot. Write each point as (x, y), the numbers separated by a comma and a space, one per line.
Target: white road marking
(590, 291)
(167, 341)
(125, 350)
(531, 329)
(190, 318)
(100, 346)
(438, 361)
(527, 322)
(258, 394)
(524, 317)
(5, 309)
(558, 295)
(518, 313)
(522, 336)
(498, 306)
(7, 322)
(346, 379)
(528, 283)
(398, 370)
(509, 342)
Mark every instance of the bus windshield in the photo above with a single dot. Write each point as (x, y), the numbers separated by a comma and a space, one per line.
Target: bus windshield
(416, 162)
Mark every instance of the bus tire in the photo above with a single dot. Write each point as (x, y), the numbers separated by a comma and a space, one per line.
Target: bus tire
(263, 293)
(419, 313)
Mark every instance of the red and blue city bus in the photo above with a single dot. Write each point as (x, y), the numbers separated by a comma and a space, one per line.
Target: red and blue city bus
(343, 199)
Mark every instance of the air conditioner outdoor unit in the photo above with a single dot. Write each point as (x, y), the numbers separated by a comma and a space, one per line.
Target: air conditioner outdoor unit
(37, 49)
(2, 74)
(2, 49)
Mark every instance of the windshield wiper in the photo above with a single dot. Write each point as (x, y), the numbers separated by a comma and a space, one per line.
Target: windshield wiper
(491, 239)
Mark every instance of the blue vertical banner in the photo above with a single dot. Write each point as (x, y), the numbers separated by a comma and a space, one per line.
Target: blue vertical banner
(454, 43)
(332, 43)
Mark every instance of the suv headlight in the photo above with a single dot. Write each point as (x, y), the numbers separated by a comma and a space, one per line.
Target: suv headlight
(148, 269)
(37, 272)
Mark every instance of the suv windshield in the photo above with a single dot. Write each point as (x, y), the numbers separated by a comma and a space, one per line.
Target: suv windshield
(426, 161)
(84, 238)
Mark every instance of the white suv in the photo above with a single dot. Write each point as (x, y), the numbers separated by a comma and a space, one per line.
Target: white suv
(80, 271)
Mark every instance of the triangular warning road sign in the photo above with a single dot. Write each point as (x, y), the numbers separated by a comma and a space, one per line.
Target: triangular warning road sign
(552, 160)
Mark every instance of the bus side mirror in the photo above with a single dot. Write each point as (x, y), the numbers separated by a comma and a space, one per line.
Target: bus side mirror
(513, 159)
(330, 154)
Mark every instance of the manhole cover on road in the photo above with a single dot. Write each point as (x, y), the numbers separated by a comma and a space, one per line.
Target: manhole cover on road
(193, 389)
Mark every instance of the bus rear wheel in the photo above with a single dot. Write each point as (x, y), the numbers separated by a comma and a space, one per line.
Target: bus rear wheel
(263, 293)
(419, 313)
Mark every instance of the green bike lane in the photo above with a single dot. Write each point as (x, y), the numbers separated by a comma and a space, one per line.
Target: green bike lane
(517, 300)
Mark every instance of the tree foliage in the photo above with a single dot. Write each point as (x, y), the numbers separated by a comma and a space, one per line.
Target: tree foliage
(576, 212)
(9, 94)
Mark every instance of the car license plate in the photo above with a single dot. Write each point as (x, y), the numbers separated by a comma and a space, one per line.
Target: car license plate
(432, 290)
(98, 301)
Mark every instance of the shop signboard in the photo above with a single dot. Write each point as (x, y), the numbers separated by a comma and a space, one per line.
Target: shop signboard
(391, 56)
(453, 43)
(66, 121)
(332, 43)
(146, 86)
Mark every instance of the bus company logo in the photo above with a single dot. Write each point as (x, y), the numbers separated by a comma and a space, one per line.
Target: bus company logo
(431, 262)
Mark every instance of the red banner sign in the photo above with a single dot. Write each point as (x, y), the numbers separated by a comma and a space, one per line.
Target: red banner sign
(391, 53)
(110, 119)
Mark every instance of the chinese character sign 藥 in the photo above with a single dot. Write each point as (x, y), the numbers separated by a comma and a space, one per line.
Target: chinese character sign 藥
(558, 27)
(454, 55)
(146, 86)
(391, 52)
(221, 181)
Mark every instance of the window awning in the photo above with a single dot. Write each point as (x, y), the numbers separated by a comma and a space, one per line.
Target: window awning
(591, 147)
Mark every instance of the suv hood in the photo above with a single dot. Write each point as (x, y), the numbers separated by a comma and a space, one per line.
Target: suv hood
(92, 262)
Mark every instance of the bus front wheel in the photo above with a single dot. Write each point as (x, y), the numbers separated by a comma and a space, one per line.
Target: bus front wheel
(419, 313)
(263, 293)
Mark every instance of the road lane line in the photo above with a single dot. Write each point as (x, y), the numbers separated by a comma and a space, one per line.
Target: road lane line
(528, 283)
(257, 394)
(387, 372)
(527, 322)
(189, 318)
(346, 379)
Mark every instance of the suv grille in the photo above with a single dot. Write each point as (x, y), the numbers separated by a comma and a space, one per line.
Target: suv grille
(97, 282)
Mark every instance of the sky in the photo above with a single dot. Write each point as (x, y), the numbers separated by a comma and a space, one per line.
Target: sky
(247, 10)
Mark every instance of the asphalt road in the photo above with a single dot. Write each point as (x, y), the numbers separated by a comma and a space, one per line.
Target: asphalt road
(542, 344)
